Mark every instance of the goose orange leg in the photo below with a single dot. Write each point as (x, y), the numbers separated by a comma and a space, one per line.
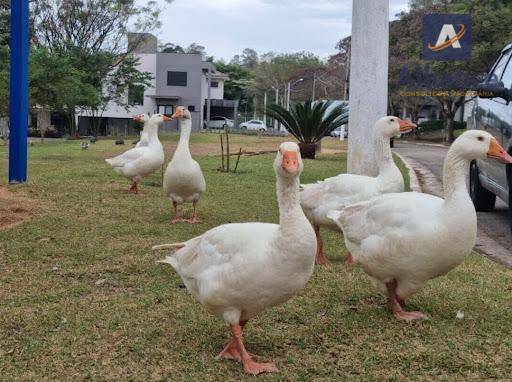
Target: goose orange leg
(349, 259)
(397, 305)
(177, 216)
(250, 366)
(230, 351)
(320, 257)
(194, 219)
(134, 189)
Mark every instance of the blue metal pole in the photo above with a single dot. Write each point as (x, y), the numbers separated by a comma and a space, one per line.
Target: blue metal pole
(18, 107)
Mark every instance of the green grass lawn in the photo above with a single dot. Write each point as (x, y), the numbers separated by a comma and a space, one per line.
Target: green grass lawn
(81, 297)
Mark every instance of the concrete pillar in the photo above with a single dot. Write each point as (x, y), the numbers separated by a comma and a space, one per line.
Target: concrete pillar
(368, 81)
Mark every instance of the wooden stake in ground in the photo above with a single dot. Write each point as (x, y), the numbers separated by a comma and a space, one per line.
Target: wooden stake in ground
(227, 148)
(222, 150)
(238, 159)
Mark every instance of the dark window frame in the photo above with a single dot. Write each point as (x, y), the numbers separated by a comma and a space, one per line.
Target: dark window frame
(214, 84)
(175, 78)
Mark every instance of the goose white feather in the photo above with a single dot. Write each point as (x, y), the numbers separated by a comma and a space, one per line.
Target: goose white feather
(403, 240)
(144, 139)
(139, 162)
(345, 189)
(183, 179)
(238, 270)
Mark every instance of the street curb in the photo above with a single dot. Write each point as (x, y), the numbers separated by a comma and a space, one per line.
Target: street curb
(427, 144)
(414, 182)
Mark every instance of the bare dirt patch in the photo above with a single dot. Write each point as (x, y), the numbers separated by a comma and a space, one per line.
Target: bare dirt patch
(15, 209)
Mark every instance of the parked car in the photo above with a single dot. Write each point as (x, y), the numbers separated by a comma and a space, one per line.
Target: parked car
(492, 112)
(254, 125)
(336, 133)
(219, 123)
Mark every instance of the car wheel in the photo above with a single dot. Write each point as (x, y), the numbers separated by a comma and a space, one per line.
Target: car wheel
(484, 200)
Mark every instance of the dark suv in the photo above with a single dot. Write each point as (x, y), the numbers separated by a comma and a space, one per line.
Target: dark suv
(493, 113)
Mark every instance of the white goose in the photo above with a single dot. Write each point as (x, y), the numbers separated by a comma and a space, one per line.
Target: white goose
(183, 179)
(144, 119)
(139, 162)
(238, 270)
(403, 240)
(345, 189)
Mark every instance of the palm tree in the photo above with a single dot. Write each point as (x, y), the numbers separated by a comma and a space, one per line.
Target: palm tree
(310, 121)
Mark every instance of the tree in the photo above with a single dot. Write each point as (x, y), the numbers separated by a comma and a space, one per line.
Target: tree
(4, 59)
(249, 58)
(235, 60)
(92, 33)
(236, 87)
(195, 49)
(56, 84)
(171, 48)
(310, 121)
(278, 70)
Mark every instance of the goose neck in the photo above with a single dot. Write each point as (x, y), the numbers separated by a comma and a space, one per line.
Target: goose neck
(288, 200)
(382, 149)
(454, 177)
(384, 156)
(151, 129)
(185, 130)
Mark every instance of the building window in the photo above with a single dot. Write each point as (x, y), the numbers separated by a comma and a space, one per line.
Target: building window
(191, 108)
(136, 95)
(176, 78)
(214, 84)
(168, 110)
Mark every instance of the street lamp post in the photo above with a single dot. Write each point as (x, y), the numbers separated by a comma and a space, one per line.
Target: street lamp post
(265, 109)
(314, 87)
(288, 96)
(276, 123)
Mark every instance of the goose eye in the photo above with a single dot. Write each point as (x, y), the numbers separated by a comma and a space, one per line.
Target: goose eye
(480, 138)
(392, 120)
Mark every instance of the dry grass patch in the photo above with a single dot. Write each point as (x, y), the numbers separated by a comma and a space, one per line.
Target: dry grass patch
(15, 208)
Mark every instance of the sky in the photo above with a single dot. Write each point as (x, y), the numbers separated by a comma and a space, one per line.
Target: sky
(226, 27)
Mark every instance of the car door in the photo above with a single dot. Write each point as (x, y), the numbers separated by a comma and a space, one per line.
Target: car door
(504, 113)
(490, 115)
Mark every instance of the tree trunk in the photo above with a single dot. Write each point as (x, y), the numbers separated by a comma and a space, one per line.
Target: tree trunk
(307, 150)
(449, 127)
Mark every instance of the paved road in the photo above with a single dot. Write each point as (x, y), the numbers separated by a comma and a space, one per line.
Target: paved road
(493, 224)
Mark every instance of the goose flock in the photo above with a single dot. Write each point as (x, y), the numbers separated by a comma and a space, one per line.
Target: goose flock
(400, 239)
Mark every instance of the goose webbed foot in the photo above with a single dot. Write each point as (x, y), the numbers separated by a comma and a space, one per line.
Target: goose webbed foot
(397, 305)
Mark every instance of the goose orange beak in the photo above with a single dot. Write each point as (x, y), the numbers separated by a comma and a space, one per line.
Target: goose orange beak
(177, 114)
(136, 118)
(290, 162)
(497, 152)
(167, 119)
(406, 126)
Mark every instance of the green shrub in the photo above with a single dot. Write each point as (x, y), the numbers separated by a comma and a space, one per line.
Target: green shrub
(438, 124)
